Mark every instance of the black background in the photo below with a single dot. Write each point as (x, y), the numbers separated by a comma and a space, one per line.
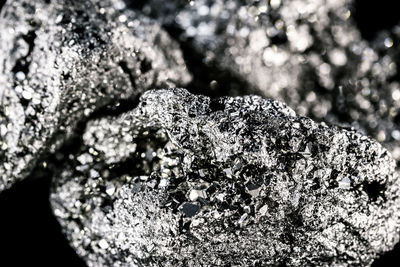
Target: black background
(31, 236)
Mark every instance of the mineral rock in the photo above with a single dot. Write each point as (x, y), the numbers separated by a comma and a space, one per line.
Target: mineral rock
(60, 61)
(185, 180)
(308, 53)
(272, 44)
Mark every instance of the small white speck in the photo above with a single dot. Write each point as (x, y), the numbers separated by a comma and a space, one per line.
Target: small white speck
(122, 18)
(103, 244)
(263, 210)
(4, 146)
(59, 18)
(195, 194)
(27, 95)
(337, 57)
(396, 95)
(345, 183)
(241, 220)
(20, 76)
(388, 42)
(203, 10)
(274, 56)
(163, 183)
(275, 3)
(110, 189)
(396, 135)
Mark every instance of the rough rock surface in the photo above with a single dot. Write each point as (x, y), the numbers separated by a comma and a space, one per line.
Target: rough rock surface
(183, 180)
(307, 53)
(272, 44)
(61, 60)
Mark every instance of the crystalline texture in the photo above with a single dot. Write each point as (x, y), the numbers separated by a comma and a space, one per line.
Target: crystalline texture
(185, 180)
(272, 44)
(307, 53)
(61, 60)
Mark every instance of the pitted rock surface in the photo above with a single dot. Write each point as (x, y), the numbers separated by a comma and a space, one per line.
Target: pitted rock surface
(185, 180)
(61, 61)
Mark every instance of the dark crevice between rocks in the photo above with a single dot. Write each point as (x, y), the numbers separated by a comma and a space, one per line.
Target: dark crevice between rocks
(72, 145)
(30, 234)
(208, 77)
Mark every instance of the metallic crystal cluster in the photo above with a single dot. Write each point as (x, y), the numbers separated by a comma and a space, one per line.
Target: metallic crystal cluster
(181, 179)
(307, 53)
(61, 61)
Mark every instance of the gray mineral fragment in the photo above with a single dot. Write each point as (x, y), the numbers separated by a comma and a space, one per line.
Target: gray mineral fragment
(274, 45)
(307, 53)
(185, 180)
(62, 60)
